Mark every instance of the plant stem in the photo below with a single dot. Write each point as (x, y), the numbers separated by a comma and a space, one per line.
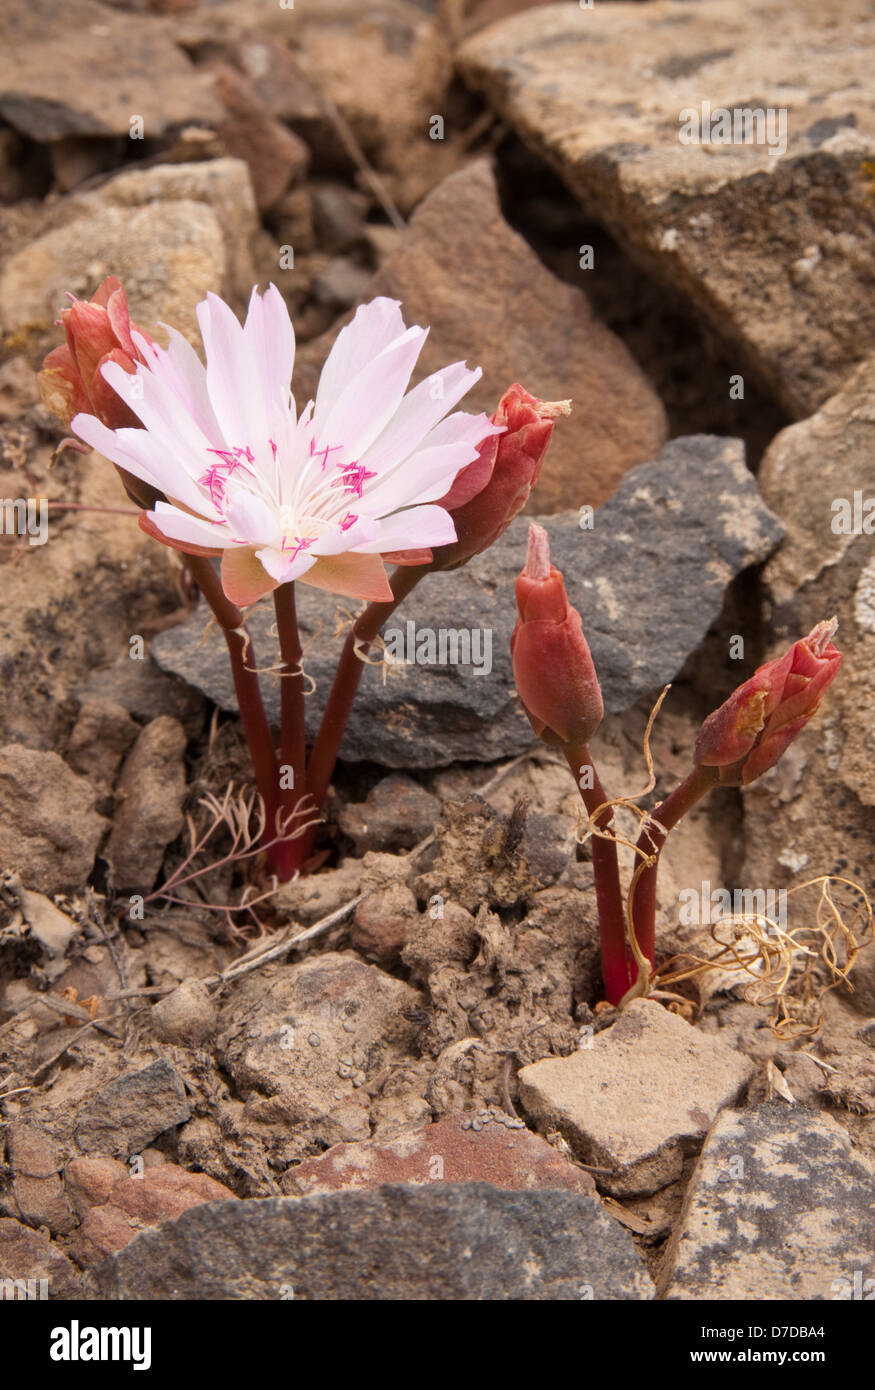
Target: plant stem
(616, 965)
(651, 840)
(346, 681)
(293, 738)
(252, 716)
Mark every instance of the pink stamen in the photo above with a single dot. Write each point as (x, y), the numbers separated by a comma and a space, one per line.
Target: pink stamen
(300, 543)
(355, 475)
(349, 520)
(329, 449)
(273, 449)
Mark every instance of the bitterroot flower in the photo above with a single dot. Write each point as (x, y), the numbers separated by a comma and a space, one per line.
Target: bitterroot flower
(323, 497)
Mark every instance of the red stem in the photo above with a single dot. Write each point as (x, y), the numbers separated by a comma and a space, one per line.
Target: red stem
(618, 970)
(252, 716)
(346, 681)
(293, 737)
(675, 806)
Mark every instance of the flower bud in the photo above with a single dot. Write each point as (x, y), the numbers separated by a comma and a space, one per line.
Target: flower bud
(491, 491)
(552, 665)
(748, 733)
(71, 381)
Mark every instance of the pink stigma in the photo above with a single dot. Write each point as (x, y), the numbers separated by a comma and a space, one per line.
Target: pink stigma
(300, 543)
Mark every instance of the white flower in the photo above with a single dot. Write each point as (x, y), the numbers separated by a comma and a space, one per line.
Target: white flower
(321, 497)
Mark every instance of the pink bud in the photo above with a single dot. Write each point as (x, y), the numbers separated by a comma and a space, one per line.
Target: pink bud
(749, 732)
(98, 331)
(552, 665)
(491, 491)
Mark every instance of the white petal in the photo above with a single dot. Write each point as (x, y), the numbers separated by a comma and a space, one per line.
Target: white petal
(180, 368)
(373, 328)
(368, 403)
(270, 341)
(427, 475)
(418, 526)
(250, 518)
(281, 567)
(418, 413)
(182, 526)
(232, 379)
(335, 541)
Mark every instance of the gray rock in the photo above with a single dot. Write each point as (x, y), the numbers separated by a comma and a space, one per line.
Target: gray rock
(638, 1099)
(780, 1206)
(396, 814)
(124, 1117)
(28, 1257)
(83, 69)
(769, 244)
(49, 829)
(466, 1241)
(149, 797)
(313, 1034)
(648, 580)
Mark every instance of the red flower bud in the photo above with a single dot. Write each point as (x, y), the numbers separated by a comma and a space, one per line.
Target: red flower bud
(552, 665)
(749, 732)
(98, 331)
(491, 491)
(71, 381)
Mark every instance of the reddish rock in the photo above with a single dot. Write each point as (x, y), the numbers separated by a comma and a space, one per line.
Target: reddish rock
(276, 157)
(495, 1152)
(89, 1181)
(161, 1194)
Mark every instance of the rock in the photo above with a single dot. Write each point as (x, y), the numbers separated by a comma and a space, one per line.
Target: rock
(779, 1207)
(149, 796)
(770, 247)
(458, 1148)
(639, 1099)
(29, 1256)
(276, 157)
(342, 282)
(186, 1017)
(145, 692)
(49, 829)
(87, 71)
(101, 736)
(308, 900)
(396, 814)
(53, 929)
(464, 1241)
(170, 233)
(382, 923)
(338, 214)
(130, 1112)
(315, 1033)
(36, 1161)
(529, 327)
(89, 1181)
(811, 476)
(160, 1194)
(697, 520)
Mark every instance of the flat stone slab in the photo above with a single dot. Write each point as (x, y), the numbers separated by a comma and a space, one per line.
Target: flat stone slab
(85, 69)
(780, 1206)
(639, 1099)
(648, 580)
(771, 242)
(459, 1148)
(465, 1241)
